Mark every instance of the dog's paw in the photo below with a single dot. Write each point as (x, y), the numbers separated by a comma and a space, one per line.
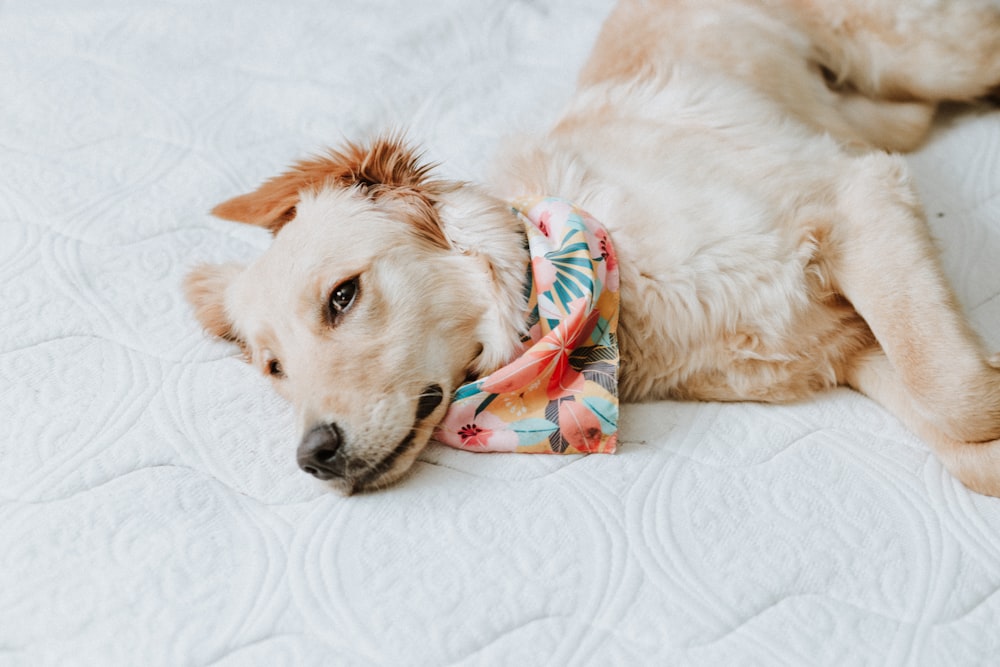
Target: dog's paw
(994, 360)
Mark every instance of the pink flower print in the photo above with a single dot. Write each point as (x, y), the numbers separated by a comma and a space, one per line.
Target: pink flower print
(551, 219)
(464, 429)
(474, 436)
(569, 383)
(543, 222)
(610, 259)
(565, 380)
(549, 357)
(543, 273)
(580, 427)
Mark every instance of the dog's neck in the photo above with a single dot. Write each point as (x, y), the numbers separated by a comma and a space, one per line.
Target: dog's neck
(486, 234)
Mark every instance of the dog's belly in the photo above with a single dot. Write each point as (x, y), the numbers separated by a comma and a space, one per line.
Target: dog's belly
(719, 206)
(729, 337)
(741, 308)
(726, 294)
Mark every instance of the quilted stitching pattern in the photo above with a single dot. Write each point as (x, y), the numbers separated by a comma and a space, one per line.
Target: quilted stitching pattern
(150, 508)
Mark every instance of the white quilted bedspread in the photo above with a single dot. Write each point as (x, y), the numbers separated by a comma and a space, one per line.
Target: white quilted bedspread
(151, 512)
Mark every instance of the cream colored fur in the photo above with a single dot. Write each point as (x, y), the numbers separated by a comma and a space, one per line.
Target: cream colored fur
(768, 247)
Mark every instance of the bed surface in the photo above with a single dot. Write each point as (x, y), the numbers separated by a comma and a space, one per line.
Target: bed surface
(151, 511)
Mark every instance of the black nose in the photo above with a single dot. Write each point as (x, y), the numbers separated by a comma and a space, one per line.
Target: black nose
(318, 451)
(430, 398)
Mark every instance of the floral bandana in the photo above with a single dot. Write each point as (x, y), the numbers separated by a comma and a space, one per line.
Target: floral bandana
(561, 395)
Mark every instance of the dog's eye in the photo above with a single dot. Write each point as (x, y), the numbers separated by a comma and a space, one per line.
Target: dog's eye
(342, 297)
(274, 369)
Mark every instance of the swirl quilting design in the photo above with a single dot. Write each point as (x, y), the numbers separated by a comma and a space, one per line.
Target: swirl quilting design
(151, 511)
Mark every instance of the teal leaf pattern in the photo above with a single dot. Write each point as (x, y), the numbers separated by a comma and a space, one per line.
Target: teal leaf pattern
(532, 431)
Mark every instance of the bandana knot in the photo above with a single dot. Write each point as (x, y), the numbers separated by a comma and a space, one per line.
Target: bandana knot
(561, 394)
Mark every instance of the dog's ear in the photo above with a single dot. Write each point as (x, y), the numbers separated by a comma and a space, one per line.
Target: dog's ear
(205, 288)
(271, 205)
(387, 170)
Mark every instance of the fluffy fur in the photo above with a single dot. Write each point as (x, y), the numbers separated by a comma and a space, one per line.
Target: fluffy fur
(768, 246)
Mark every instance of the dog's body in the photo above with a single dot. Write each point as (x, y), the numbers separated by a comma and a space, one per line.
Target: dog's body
(767, 247)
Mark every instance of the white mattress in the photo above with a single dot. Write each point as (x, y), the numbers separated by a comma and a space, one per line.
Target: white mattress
(151, 512)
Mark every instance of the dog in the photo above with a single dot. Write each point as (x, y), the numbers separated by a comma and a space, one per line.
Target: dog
(742, 155)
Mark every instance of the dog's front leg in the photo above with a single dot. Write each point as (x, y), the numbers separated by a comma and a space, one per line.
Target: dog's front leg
(931, 370)
(975, 464)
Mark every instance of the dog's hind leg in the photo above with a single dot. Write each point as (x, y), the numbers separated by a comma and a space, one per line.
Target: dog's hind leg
(932, 371)
(891, 62)
(905, 50)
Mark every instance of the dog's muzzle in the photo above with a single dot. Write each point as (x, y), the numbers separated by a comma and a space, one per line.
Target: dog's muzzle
(320, 454)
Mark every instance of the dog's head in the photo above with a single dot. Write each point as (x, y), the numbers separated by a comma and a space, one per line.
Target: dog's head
(383, 289)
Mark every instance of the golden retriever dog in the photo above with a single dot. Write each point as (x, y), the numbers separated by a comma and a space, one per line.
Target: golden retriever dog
(739, 153)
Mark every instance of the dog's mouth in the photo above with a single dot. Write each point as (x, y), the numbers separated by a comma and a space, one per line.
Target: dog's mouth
(370, 477)
(430, 398)
(349, 474)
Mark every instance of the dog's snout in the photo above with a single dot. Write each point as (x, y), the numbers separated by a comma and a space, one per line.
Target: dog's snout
(430, 398)
(318, 450)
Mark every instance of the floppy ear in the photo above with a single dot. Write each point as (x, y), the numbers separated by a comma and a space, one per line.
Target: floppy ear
(271, 205)
(386, 170)
(205, 288)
